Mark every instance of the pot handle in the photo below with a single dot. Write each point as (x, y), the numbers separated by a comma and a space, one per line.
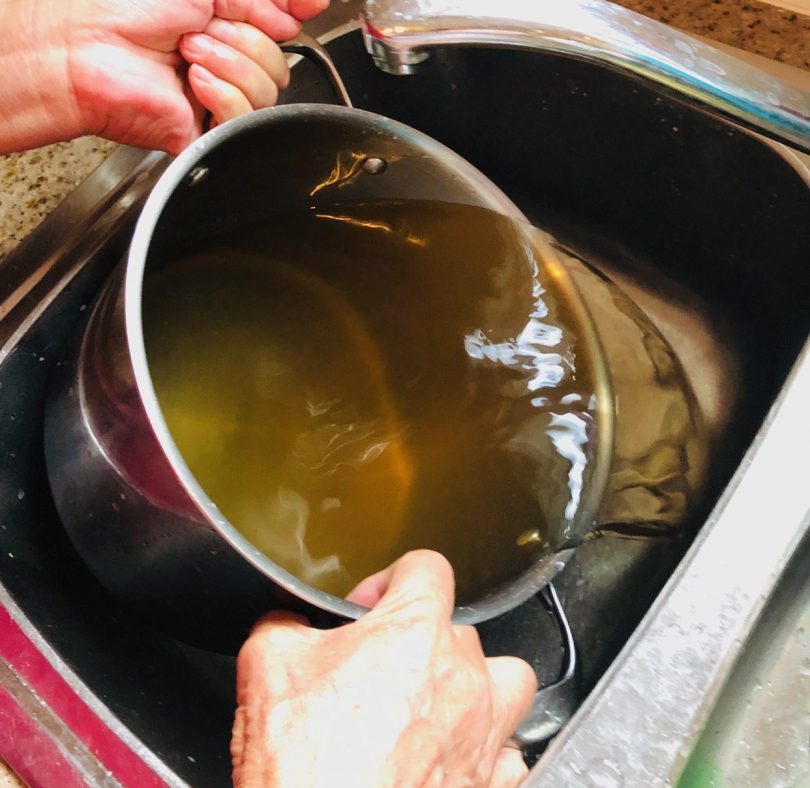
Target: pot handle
(308, 47)
(555, 703)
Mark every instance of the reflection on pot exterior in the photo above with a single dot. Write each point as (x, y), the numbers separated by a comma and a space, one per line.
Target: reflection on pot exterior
(661, 448)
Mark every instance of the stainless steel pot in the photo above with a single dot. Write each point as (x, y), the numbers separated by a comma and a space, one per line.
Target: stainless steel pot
(130, 504)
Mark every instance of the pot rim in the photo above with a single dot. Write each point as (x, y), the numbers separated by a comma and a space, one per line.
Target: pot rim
(498, 600)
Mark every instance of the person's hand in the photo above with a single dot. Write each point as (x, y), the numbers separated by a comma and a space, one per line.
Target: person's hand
(120, 68)
(400, 697)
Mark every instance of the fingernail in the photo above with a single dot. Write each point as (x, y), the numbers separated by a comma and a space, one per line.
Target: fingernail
(223, 29)
(198, 43)
(202, 74)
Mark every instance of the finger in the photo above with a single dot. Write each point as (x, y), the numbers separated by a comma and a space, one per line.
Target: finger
(232, 67)
(255, 45)
(281, 618)
(220, 98)
(421, 581)
(263, 14)
(277, 630)
(514, 685)
(370, 591)
(510, 769)
(273, 638)
(469, 638)
(304, 9)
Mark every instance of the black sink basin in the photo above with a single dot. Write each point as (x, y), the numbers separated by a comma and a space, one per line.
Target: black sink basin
(707, 227)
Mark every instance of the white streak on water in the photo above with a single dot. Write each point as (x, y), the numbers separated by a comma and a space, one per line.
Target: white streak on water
(569, 434)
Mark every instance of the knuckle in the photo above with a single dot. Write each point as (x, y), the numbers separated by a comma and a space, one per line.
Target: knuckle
(413, 605)
(422, 608)
(224, 9)
(472, 684)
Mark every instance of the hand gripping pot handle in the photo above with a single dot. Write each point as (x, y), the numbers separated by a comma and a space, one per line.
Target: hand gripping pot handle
(308, 47)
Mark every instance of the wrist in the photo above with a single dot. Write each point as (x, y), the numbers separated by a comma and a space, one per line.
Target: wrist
(36, 103)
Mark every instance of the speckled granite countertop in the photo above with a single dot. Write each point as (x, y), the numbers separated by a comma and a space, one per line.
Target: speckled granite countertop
(32, 184)
(755, 27)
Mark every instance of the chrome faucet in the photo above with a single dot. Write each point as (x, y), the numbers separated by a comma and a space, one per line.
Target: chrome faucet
(399, 35)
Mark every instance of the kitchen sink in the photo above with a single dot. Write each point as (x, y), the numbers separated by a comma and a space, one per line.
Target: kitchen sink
(704, 225)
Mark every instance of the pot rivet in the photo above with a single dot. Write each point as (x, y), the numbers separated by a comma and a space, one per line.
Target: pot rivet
(373, 165)
(196, 176)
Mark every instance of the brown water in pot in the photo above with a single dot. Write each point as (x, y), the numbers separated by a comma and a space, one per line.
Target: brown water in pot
(350, 385)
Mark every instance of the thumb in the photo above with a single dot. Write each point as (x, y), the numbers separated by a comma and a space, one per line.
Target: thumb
(421, 577)
(370, 591)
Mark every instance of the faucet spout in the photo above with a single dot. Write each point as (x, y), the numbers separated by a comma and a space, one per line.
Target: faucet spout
(396, 60)
(400, 35)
